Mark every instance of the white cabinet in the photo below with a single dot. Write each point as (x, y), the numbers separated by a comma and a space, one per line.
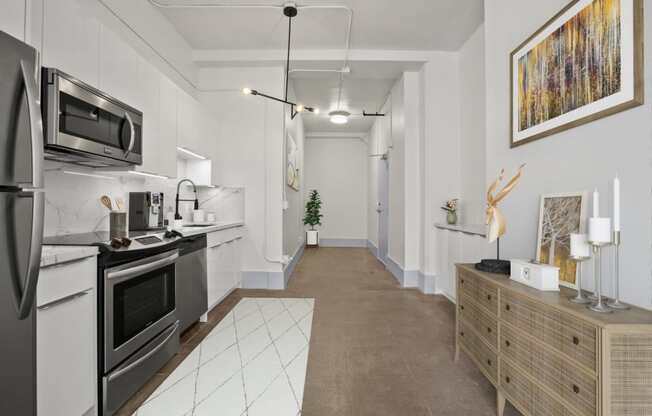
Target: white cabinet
(151, 97)
(71, 34)
(224, 264)
(66, 339)
(12, 18)
(187, 118)
(168, 127)
(120, 69)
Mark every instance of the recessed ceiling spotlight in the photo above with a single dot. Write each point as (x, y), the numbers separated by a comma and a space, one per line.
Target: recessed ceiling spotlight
(339, 117)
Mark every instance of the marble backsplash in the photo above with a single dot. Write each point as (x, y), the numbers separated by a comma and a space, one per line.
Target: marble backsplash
(73, 201)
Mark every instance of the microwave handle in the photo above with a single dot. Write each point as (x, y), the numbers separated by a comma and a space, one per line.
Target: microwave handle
(132, 134)
(35, 126)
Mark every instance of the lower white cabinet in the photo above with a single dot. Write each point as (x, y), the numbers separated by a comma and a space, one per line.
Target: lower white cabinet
(224, 265)
(66, 343)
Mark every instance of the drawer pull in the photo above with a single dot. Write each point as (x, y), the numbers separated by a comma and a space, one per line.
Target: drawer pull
(462, 333)
(462, 307)
(488, 297)
(507, 307)
(576, 389)
(489, 330)
(508, 343)
(576, 341)
(462, 281)
(507, 379)
(489, 362)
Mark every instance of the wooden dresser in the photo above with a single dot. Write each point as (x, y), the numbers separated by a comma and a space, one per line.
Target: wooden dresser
(550, 357)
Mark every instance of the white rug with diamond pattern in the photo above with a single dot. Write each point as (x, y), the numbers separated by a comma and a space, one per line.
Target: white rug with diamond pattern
(253, 363)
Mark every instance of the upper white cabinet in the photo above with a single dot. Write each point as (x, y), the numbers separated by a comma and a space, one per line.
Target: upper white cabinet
(187, 119)
(12, 18)
(120, 69)
(71, 39)
(168, 127)
(151, 108)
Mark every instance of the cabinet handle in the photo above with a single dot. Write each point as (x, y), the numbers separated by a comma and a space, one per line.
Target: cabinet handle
(63, 300)
(507, 307)
(576, 341)
(462, 307)
(462, 333)
(488, 297)
(489, 362)
(507, 379)
(508, 343)
(462, 281)
(576, 389)
(489, 330)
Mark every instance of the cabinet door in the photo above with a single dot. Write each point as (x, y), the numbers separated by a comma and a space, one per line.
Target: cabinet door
(66, 357)
(186, 121)
(12, 18)
(151, 97)
(71, 34)
(215, 287)
(168, 127)
(237, 262)
(119, 69)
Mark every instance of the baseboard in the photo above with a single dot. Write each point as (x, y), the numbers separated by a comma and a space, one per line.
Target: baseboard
(446, 295)
(427, 283)
(372, 248)
(342, 242)
(289, 269)
(253, 279)
(406, 278)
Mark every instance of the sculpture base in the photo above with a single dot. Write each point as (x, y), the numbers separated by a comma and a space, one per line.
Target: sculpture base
(494, 266)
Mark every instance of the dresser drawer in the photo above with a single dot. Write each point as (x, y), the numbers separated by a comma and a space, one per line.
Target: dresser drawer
(468, 284)
(572, 336)
(487, 296)
(484, 323)
(550, 370)
(527, 396)
(479, 351)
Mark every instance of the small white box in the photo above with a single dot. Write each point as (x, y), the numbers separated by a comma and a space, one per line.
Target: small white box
(536, 275)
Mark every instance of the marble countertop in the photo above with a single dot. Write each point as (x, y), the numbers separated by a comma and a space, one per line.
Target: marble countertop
(53, 255)
(218, 226)
(475, 229)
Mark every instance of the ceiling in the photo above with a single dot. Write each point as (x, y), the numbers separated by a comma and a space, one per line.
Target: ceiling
(381, 25)
(377, 24)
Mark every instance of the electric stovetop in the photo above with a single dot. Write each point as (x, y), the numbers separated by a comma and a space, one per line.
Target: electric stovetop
(137, 240)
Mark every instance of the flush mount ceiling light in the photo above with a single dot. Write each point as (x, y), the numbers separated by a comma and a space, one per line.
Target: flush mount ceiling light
(290, 11)
(339, 117)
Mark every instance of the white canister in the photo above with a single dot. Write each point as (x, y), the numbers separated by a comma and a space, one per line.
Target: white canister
(198, 216)
(210, 217)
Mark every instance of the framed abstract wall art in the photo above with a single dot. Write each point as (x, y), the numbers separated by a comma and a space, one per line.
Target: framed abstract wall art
(583, 64)
(560, 215)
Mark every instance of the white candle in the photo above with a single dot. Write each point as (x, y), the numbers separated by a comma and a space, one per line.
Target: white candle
(600, 230)
(616, 204)
(596, 204)
(579, 246)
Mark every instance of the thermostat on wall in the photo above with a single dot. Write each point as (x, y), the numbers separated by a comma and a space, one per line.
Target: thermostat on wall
(536, 275)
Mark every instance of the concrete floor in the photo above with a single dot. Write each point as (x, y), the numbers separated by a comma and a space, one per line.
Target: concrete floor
(376, 349)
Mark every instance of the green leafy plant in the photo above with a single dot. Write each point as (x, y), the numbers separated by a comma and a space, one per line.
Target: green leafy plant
(313, 210)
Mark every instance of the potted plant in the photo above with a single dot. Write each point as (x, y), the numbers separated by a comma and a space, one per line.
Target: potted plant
(313, 218)
(451, 208)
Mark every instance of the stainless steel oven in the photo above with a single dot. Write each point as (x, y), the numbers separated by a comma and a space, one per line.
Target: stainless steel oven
(87, 127)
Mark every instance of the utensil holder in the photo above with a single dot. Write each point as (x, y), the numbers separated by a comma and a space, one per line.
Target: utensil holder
(117, 224)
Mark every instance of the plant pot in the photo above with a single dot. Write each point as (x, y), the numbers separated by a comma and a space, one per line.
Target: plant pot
(451, 217)
(312, 238)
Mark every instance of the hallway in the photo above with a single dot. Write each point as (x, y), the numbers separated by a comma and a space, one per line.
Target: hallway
(375, 349)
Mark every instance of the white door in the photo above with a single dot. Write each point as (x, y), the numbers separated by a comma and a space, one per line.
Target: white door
(383, 208)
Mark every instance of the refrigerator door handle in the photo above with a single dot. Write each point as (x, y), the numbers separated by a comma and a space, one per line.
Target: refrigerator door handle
(25, 296)
(35, 125)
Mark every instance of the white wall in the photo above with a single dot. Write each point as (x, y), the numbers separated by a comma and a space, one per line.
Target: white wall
(251, 133)
(472, 129)
(293, 229)
(578, 159)
(337, 168)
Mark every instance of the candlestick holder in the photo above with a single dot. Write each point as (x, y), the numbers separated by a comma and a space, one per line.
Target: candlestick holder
(599, 306)
(580, 298)
(616, 303)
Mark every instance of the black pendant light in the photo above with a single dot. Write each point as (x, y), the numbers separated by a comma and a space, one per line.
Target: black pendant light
(290, 11)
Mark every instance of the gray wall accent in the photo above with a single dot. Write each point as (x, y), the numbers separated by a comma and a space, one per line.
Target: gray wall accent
(342, 242)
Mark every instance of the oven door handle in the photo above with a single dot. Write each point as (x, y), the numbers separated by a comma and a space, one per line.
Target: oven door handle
(147, 356)
(142, 269)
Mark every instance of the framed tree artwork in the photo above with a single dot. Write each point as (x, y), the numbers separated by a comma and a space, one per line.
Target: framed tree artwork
(559, 216)
(583, 64)
(292, 161)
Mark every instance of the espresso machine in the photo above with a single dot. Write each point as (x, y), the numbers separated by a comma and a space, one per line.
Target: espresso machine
(145, 211)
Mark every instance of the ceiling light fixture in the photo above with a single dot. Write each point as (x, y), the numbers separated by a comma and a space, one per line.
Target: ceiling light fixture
(290, 11)
(339, 117)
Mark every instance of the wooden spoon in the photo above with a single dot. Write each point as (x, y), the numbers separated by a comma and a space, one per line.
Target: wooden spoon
(106, 201)
(120, 203)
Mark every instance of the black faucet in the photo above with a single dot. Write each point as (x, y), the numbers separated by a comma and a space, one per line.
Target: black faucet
(194, 189)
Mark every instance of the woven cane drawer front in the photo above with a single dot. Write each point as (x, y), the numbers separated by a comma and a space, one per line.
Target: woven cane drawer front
(574, 337)
(478, 350)
(550, 370)
(487, 296)
(484, 324)
(467, 284)
(527, 396)
(631, 374)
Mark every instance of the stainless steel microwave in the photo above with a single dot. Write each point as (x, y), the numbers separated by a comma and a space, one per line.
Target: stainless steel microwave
(87, 127)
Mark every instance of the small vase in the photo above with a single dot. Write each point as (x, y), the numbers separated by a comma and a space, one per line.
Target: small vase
(451, 217)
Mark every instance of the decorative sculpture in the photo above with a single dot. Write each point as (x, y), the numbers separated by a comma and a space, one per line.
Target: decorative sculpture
(497, 223)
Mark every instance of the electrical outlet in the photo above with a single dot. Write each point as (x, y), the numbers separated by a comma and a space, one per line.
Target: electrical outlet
(525, 274)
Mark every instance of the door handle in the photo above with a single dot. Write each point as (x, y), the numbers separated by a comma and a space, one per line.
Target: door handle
(63, 300)
(138, 270)
(24, 296)
(35, 125)
(132, 133)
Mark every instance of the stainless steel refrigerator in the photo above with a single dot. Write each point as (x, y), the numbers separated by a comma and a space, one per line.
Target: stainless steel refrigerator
(21, 223)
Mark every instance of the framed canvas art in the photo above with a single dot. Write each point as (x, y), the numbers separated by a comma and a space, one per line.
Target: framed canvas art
(292, 159)
(559, 216)
(583, 64)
